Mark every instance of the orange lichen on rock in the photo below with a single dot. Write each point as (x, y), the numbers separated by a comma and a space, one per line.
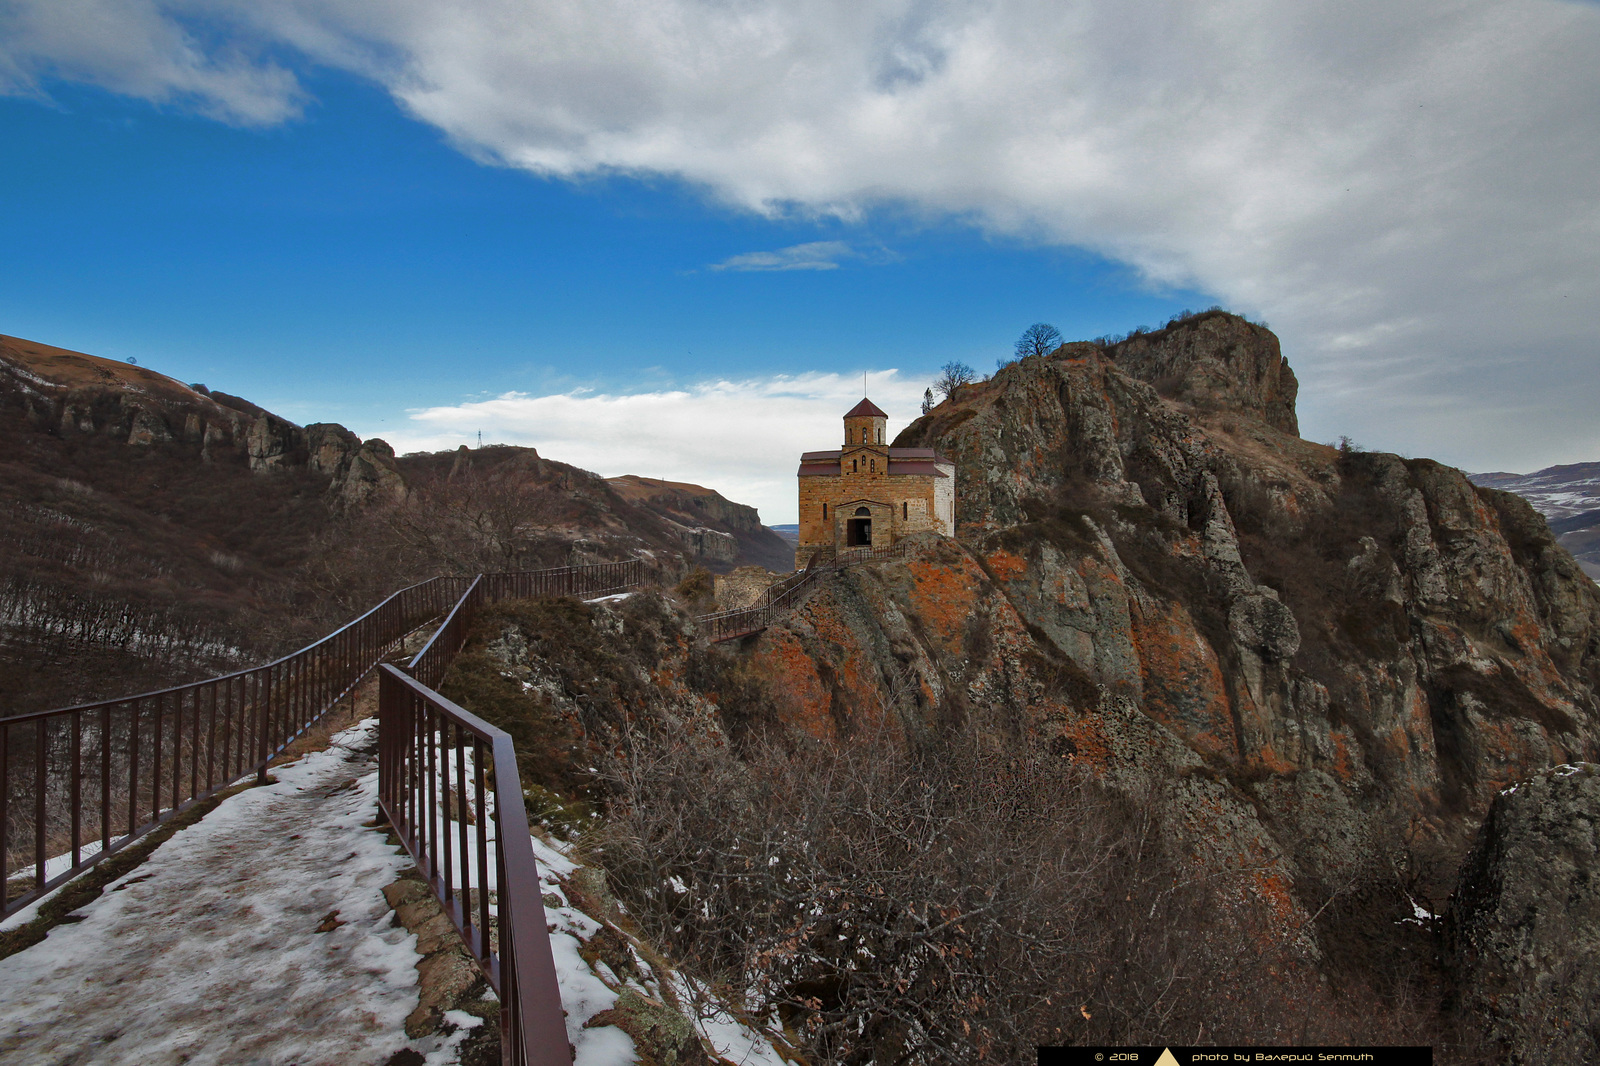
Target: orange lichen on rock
(1183, 685)
(1006, 566)
(1082, 738)
(780, 656)
(944, 597)
(1341, 766)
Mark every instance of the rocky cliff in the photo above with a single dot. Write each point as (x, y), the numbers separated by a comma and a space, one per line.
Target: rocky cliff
(722, 532)
(1333, 659)
(74, 393)
(1525, 919)
(1379, 620)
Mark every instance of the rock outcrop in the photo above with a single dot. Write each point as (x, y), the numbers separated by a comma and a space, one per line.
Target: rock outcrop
(720, 532)
(1282, 606)
(1342, 656)
(1525, 920)
(1217, 360)
(361, 472)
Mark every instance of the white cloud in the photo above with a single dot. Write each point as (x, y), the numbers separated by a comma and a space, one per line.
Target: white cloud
(815, 255)
(742, 438)
(136, 48)
(1404, 187)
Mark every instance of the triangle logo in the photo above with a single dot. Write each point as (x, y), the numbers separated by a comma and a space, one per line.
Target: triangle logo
(1167, 1058)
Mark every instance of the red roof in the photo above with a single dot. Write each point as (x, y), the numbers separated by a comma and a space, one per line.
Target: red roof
(910, 466)
(865, 409)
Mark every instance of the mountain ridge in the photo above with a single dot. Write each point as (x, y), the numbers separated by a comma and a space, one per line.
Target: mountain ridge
(159, 532)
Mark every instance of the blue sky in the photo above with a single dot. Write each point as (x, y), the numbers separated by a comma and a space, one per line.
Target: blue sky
(535, 220)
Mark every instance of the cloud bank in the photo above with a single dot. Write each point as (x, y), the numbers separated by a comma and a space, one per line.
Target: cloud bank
(1405, 188)
(742, 438)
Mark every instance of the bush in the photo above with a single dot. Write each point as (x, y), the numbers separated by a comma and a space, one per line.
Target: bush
(961, 903)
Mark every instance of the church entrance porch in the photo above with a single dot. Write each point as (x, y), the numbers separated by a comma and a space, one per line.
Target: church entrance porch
(858, 532)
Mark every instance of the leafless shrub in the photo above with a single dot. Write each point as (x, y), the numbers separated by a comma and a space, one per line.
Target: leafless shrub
(958, 904)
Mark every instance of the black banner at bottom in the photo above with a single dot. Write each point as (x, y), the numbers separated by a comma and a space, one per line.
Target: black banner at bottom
(1238, 1056)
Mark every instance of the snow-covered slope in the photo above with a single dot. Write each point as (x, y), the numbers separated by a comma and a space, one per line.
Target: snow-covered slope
(261, 934)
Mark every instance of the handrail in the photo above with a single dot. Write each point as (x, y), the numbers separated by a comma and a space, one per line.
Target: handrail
(742, 621)
(414, 790)
(263, 709)
(95, 777)
(92, 778)
(429, 664)
(418, 731)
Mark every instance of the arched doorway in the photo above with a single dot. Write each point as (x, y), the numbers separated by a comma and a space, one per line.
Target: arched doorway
(858, 532)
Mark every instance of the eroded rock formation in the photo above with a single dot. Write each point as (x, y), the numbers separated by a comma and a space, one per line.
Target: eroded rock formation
(1340, 656)
(1525, 920)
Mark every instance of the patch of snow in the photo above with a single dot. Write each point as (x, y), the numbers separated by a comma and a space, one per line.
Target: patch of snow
(551, 861)
(615, 597)
(731, 1038)
(604, 1045)
(208, 951)
(448, 1051)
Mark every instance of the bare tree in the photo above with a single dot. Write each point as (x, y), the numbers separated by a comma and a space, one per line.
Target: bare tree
(1041, 338)
(952, 376)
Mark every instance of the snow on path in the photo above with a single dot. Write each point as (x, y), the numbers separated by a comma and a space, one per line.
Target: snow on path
(208, 952)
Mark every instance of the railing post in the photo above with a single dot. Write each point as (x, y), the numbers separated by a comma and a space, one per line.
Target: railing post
(263, 745)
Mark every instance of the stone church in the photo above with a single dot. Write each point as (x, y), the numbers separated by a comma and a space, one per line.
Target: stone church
(868, 494)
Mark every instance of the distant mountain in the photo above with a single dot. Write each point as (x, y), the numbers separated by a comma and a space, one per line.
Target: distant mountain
(153, 532)
(723, 533)
(1568, 497)
(789, 532)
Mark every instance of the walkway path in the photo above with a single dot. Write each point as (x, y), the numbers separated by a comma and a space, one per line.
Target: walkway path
(259, 935)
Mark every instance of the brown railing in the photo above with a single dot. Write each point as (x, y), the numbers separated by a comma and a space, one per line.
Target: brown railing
(417, 730)
(592, 579)
(742, 621)
(433, 758)
(81, 783)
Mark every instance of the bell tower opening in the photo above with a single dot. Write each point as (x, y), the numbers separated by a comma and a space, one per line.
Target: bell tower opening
(864, 425)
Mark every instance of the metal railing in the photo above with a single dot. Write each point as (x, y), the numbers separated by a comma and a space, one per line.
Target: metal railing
(80, 783)
(234, 725)
(591, 579)
(742, 621)
(417, 731)
(433, 789)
